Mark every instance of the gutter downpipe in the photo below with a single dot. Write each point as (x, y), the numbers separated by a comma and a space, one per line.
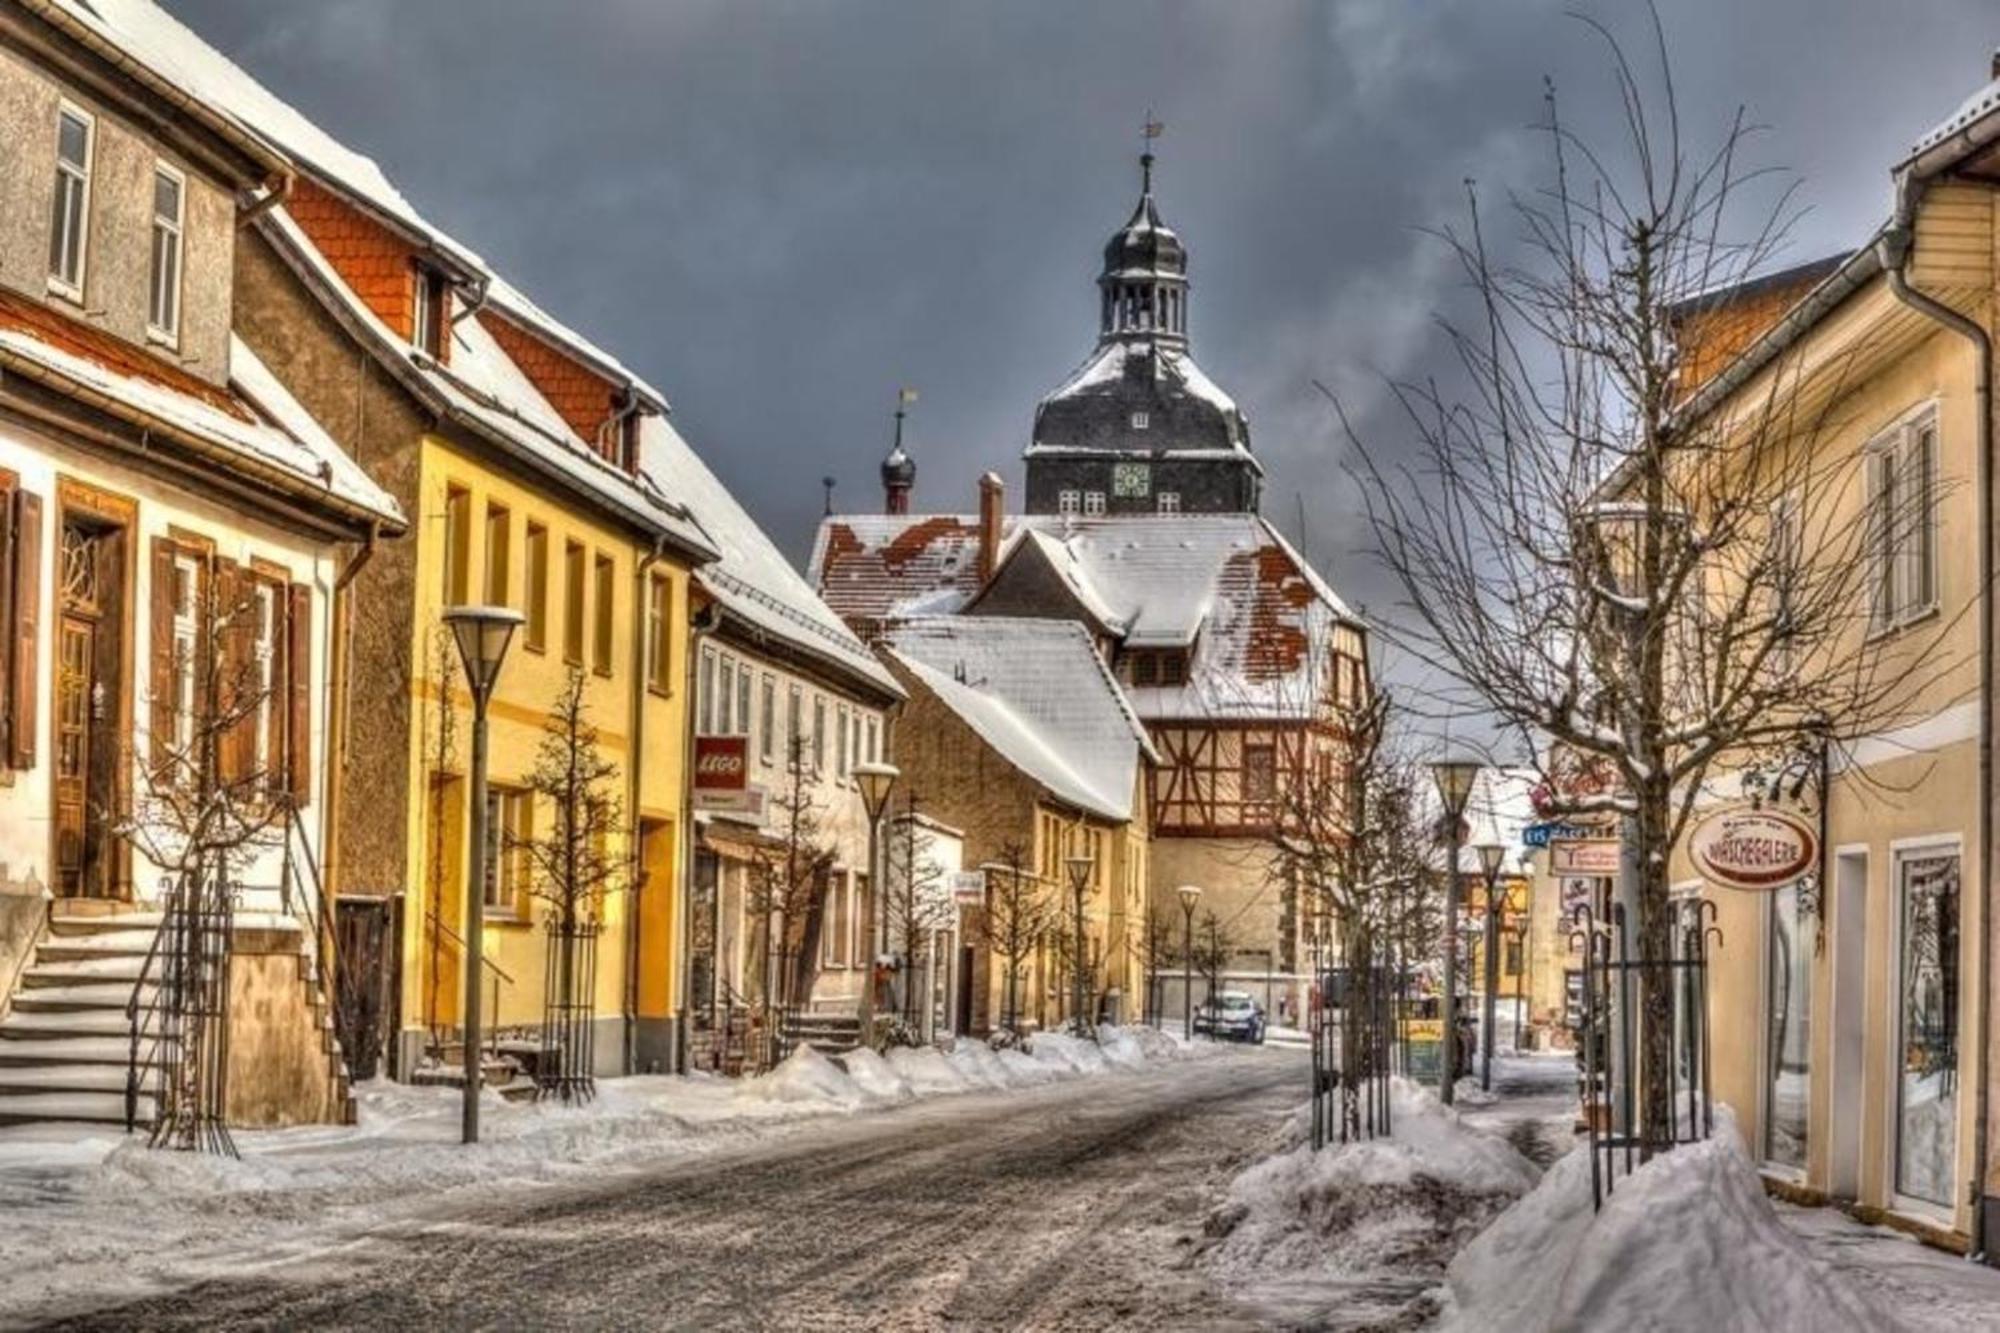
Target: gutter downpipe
(276, 191)
(340, 686)
(1894, 246)
(701, 624)
(634, 850)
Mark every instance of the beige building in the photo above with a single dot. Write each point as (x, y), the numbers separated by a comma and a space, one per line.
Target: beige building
(1847, 1008)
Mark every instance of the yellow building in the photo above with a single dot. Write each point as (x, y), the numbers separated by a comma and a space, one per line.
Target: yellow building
(1846, 1008)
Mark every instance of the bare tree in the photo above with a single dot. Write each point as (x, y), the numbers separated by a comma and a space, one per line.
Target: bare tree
(574, 866)
(442, 747)
(1018, 910)
(1213, 946)
(1657, 589)
(914, 902)
(786, 897)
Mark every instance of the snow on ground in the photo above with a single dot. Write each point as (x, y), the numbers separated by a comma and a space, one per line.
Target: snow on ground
(1687, 1241)
(1358, 1235)
(1928, 1289)
(102, 1212)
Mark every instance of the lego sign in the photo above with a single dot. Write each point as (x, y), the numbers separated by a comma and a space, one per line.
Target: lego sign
(721, 763)
(1754, 850)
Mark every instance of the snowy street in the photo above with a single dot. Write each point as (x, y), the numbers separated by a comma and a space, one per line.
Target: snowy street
(1071, 1205)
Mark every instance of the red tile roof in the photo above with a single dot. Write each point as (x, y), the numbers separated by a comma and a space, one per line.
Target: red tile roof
(50, 325)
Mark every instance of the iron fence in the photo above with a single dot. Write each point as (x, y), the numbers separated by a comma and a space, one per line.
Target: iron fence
(566, 1064)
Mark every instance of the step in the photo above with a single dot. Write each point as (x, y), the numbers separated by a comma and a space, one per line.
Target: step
(95, 1107)
(119, 967)
(70, 1078)
(100, 923)
(73, 1023)
(101, 944)
(114, 995)
(75, 1050)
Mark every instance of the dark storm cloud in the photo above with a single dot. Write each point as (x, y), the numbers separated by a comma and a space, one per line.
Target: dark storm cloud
(781, 211)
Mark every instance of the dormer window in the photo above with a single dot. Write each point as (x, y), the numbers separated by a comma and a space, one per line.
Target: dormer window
(1141, 420)
(427, 311)
(1093, 504)
(163, 317)
(1170, 502)
(1069, 502)
(69, 219)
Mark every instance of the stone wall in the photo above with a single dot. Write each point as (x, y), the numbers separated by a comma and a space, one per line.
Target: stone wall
(282, 1070)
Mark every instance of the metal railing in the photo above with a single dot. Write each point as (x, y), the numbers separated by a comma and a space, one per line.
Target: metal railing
(497, 974)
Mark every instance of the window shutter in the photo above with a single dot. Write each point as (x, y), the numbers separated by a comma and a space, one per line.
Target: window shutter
(27, 597)
(164, 705)
(1880, 539)
(233, 744)
(298, 695)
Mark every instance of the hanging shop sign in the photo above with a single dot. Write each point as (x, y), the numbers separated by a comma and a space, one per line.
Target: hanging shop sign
(968, 887)
(1584, 856)
(1754, 850)
(722, 776)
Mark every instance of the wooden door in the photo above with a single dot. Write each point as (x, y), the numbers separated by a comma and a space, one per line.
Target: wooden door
(78, 873)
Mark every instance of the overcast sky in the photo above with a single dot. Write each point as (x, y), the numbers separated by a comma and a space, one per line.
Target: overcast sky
(779, 212)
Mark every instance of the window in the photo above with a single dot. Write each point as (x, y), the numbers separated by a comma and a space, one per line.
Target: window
(1260, 772)
(864, 912)
(265, 743)
(69, 219)
(725, 697)
(1927, 1021)
(573, 603)
(707, 692)
(659, 633)
(1093, 504)
(163, 311)
(819, 734)
(606, 595)
(743, 699)
(767, 738)
(795, 723)
(841, 739)
(538, 587)
(873, 756)
(1141, 420)
(1169, 502)
(838, 930)
(1902, 523)
(1144, 669)
(188, 594)
(499, 531)
(1788, 1034)
(509, 830)
(1069, 502)
(427, 310)
(457, 545)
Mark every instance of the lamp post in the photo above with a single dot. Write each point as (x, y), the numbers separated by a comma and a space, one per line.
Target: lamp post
(876, 781)
(1080, 868)
(1190, 895)
(1491, 855)
(1454, 778)
(482, 633)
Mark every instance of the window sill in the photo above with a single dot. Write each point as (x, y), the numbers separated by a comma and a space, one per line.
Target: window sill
(161, 338)
(659, 692)
(538, 649)
(64, 291)
(512, 920)
(1911, 621)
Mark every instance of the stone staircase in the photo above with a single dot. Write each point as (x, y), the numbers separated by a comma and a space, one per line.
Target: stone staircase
(65, 1044)
(828, 1033)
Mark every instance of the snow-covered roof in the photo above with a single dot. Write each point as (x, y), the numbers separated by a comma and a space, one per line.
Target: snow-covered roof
(255, 422)
(1973, 109)
(1257, 618)
(1037, 692)
(1501, 805)
(751, 578)
(484, 387)
(1092, 410)
(173, 51)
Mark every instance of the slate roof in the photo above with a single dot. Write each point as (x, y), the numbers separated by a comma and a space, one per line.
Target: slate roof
(1256, 617)
(1186, 414)
(1037, 692)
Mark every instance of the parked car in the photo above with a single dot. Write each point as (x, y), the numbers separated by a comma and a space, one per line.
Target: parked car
(1232, 1015)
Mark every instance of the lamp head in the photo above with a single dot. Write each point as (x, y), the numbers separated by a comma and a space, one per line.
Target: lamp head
(483, 634)
(1492, 855)
(1190, 894)
(1454, 775)
(876, 781)
(1079, 870)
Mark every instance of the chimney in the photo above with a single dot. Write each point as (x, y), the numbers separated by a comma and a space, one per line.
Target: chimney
(1994, 68)
(992, 504)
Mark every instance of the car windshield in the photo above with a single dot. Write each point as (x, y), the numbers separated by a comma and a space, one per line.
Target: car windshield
(1237, 1002)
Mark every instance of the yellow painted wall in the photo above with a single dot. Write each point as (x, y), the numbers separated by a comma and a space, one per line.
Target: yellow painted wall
(529, 684)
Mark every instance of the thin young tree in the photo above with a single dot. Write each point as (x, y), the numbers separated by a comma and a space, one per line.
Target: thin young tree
(214, 796)
(441, 752)
(786, 896)
(1213, 945)
(915, 907)
(1598, 559)
(574, 864)
(1018, 910)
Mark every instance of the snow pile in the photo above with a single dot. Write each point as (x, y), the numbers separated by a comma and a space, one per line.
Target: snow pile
(1688, 1240)
(873, 1075)
(1065, 1052)
(1402, 1204)
(927, 1070)
(807, 1076)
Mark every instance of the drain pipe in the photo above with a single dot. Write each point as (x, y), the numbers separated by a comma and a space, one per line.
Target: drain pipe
(339, 686)
(1894, 249)
(634, 851)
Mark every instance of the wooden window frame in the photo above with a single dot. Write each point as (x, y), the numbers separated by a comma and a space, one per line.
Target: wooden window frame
(457, 544)
(604, 595)
(660, 635)
(535, 597)
(575, 589)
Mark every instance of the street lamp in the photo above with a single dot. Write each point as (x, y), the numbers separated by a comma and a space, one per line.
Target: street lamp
(1492, 855)
(876, 781)
(1454, 777)
(483, 633)
(1190, 895)
(1080, 868)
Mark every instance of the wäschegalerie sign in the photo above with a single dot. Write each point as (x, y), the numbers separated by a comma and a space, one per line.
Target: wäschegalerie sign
(1753, 849)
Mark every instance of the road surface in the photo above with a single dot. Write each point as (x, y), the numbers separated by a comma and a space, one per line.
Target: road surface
(1076, 1206)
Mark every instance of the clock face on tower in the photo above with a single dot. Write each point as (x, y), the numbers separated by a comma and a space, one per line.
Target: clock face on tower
(1131, 480)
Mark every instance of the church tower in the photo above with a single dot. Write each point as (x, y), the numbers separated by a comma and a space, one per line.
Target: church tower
(899, 472)
(1138, 428)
